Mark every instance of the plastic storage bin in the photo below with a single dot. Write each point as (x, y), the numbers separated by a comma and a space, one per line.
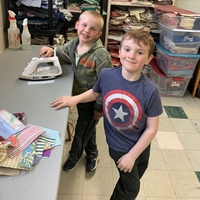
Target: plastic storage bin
(168, 86)
(176, 65)
(179, 40)
(174, 21)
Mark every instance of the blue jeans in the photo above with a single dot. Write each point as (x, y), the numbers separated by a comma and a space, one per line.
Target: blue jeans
(128, 185)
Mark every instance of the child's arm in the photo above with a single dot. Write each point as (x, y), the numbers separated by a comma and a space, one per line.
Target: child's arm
(72, 101)
(127, 161)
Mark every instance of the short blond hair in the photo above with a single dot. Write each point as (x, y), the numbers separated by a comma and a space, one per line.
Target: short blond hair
(140, 36)
(94, 14)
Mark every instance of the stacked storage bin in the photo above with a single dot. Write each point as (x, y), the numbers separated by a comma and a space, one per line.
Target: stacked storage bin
(177, 54)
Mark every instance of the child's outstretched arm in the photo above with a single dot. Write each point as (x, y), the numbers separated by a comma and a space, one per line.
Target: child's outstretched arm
(72, 101)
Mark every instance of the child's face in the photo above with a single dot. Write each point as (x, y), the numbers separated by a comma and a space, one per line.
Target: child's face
(88, 28)
(134, 56)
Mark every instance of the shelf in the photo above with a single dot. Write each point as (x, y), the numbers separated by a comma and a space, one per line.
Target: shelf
(120, 4)
(129, 4)
(49, 32)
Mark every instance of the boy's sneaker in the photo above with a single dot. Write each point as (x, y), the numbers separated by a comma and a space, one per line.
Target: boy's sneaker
(69, 165)
(91, 164)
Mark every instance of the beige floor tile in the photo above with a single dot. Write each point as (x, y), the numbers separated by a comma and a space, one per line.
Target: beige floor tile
(100, 123)
(182, 125)
(141, 198)
(154, 143)
(192, 113)
(164, 114)
(194, 157)
(98, 183)
(196, 124)
(168, 140)
(190, 141)
(197, 101)
(165, 124)
(185, 184)
(157, 184)
(69, 197)
(73, 117)
(72, 182)
(101, 137)
(187, 102)
(176, 160)
(95, 197)
(142, 191)
(156, 161)
(188, 198)
(115, 174)
(105, 160)
(159, 198)
(74, 110)
(170, 101)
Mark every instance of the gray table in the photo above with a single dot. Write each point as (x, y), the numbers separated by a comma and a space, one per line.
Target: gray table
(42, 181)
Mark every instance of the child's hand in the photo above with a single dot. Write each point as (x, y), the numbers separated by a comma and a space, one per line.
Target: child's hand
(46, 51)
(64, 101)
(126, 163)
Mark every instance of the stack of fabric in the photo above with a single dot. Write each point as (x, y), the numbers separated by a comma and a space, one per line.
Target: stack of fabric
(124, 19)
(22, 146)
(81, 6)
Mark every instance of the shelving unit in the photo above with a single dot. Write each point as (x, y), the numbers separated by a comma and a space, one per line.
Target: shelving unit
(114, 3)
(50, 32)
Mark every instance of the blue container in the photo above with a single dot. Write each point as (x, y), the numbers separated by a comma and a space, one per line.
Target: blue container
(176, 65)
(179, 41)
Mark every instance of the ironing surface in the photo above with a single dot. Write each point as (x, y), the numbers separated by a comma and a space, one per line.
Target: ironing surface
(42, 69)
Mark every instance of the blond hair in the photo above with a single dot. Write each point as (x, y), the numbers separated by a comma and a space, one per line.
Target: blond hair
(140, 36)
(94, 14)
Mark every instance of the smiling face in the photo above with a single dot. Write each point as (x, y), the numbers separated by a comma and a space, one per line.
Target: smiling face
(134, 56)
(89, 26)
(135, 51)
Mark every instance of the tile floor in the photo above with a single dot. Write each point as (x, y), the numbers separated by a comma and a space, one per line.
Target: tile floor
(174, 169)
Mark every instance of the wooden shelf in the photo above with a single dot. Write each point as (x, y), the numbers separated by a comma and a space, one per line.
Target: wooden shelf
(129, 4)
(124, 4)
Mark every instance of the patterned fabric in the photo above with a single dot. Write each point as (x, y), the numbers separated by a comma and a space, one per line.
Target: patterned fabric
(25, 138)
(12, 163)
(3, 152)
(10, 125)
(28, 156)
(42, 142)
(11, 141)
(9, 172)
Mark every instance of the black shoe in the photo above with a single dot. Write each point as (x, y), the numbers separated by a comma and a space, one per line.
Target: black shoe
(91, 164)
(69, 165)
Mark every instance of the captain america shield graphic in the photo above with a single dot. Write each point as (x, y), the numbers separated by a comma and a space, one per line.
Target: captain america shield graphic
(122, 110)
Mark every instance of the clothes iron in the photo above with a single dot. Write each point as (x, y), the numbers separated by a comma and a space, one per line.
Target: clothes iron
(42, 69)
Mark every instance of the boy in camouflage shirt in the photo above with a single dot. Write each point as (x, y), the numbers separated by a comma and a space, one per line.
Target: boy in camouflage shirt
(88, 57)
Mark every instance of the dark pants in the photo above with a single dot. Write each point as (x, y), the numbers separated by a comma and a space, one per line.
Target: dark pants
(85, 133)
(128, 185)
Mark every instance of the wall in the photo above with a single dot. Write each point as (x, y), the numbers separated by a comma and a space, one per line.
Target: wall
(192, 5)
(3, 34)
